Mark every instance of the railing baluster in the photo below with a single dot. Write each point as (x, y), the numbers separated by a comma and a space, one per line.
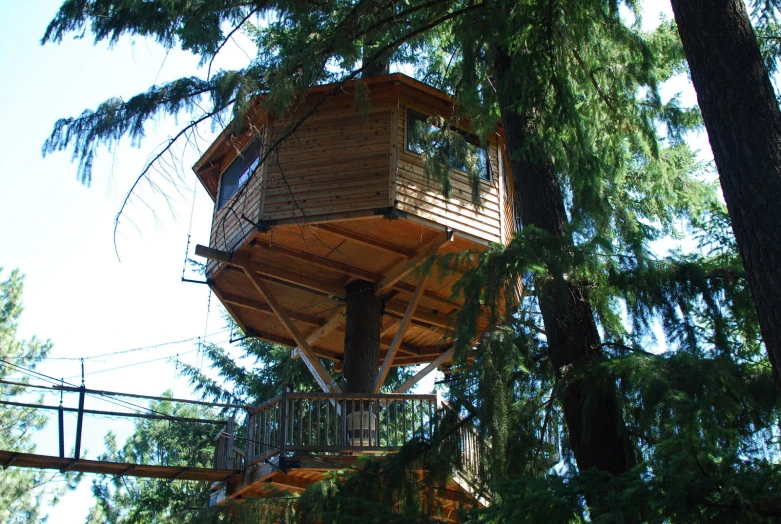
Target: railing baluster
(318, 424)
(404, 420)
(283, 424)
(396, 423)
(344, 423)
(327, 422)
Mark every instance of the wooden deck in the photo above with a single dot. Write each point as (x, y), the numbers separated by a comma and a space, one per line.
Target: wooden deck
(267, 481)
(294, 440)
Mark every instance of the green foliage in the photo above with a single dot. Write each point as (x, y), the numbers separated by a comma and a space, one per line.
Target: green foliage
(159, 442)
(21, 493)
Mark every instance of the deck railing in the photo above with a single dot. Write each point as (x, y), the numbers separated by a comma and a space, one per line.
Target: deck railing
(324, 423)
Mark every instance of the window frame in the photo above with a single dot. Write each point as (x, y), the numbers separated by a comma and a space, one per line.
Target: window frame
(248, 161)
(412, 114)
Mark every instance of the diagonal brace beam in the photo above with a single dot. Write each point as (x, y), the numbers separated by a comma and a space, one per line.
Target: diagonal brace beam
(441, 359)
(396, 342)
(405, 268)
(322, 376)
(331, 324)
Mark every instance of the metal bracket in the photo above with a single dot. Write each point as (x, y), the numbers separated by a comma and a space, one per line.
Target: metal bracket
(10, 461)
(286, 464)
(391, 213)
(262, 226)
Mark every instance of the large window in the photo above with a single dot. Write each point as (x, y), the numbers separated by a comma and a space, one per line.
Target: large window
(239, 171)
(460, 149)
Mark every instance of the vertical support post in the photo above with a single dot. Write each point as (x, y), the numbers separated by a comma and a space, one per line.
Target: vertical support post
(230, 456)
(249, 446)
(61, 420)
(79, 423)
(283, 426)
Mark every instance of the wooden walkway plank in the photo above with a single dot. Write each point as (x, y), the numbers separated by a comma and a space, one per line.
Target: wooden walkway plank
(31, 460)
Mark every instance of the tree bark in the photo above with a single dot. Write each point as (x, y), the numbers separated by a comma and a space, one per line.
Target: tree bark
(363, 325)
(593, 415)
(743, 121)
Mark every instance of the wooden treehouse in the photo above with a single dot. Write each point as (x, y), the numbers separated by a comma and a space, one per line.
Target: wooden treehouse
(328, 202)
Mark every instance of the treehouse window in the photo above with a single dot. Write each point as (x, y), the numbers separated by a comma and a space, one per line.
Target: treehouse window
(422, 135)
(239, 171)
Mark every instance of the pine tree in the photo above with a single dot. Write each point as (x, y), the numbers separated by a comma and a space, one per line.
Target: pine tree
(156, 441)
(20, 497)
(741, 114)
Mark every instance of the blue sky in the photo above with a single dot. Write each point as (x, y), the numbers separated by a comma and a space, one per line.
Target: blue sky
(60, 233)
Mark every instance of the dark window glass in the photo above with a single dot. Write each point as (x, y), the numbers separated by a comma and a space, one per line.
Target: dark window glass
(239, 172)
(419, 130)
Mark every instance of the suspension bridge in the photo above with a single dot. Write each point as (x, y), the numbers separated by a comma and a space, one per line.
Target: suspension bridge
(285, 443)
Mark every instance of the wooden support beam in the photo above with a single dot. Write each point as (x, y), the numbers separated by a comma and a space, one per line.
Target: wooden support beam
(262, 307)
(441, 359)
(397, 310)
(213, 254)
(405, 268)
(367, 241)
(321, 374)
(386, 364)
(333, 265)
(391, 329)
(330, 325)
(421, 318)
(314, 284)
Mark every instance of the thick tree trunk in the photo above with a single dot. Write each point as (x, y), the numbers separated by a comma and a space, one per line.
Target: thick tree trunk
(376, 68)
(361, 337)
(593, 415)
(743, 121)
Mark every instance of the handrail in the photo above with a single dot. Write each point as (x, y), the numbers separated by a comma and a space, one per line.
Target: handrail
(263, 405)
(363, 396)
(335, 423)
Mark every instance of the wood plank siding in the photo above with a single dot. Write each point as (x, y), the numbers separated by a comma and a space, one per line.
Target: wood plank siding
(336, 162)
(421, 197)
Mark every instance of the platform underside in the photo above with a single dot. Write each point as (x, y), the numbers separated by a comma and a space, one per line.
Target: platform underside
(268, 481)
(307, 267)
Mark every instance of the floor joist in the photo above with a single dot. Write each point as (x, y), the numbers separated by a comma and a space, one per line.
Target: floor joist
(367, 241)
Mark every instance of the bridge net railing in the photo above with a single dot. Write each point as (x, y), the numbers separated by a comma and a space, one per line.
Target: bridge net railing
(75, 424)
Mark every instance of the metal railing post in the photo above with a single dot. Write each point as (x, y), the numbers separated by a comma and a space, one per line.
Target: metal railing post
(61, 421)
(79, 423)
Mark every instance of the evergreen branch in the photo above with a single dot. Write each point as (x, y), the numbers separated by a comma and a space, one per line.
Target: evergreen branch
(225, 40)
(152, 162)
(115, 118)
(628, 348)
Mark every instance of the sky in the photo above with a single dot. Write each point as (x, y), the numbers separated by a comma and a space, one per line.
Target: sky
(60, 233)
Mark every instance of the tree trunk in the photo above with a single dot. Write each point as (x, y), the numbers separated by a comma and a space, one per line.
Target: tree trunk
(378, 67)
(743, 121)
(593, 415)
(363, 325)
